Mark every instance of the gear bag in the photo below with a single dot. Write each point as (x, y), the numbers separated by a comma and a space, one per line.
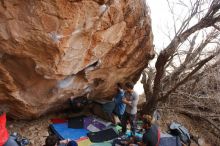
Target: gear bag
(177, 129)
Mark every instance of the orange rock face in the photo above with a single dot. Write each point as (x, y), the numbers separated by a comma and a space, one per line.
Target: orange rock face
(56, 49)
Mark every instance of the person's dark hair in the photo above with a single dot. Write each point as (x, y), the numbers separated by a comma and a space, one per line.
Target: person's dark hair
(119, 85)
(51, 140)
(72, 143)
(3, 109)
(147, 119)
(129, 85)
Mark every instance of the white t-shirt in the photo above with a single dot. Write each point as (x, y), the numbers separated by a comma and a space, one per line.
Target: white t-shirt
(133, 97)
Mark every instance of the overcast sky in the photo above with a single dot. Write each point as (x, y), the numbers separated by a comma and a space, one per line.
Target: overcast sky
(160, 17)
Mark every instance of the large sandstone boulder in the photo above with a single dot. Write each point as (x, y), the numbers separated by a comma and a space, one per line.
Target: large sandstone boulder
(51, 50)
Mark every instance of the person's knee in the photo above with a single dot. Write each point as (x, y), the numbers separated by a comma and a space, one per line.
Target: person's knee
(11, 142)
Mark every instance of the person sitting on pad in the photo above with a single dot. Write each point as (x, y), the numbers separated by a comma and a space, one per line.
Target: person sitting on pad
(151, 136)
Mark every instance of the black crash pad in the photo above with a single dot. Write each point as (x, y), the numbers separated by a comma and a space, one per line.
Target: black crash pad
(104, 135)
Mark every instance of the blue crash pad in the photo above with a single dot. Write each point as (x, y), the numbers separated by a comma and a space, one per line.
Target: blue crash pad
(63, 132)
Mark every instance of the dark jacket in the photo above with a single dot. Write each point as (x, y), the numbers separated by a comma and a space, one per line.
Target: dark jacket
(152, 136)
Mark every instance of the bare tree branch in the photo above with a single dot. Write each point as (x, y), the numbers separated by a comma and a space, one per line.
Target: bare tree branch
(163, 84)
(147, 83)
(200, 65)
(193, 114)
(191, 56)
(216, 27)
(192, 47)
(207, 21)
(172, 12)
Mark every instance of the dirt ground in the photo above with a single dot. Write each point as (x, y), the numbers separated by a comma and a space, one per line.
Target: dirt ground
(37, 130)
(197, 128)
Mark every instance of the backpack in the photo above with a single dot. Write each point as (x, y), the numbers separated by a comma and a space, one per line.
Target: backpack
(177, 129)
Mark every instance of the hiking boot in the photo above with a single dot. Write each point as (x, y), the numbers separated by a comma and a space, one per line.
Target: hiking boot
(24, 142)
(122, 135)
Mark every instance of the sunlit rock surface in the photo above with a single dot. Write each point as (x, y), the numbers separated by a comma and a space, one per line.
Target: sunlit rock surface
(51, 50)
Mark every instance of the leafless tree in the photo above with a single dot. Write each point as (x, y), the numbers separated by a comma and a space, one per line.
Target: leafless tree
(168, 75)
